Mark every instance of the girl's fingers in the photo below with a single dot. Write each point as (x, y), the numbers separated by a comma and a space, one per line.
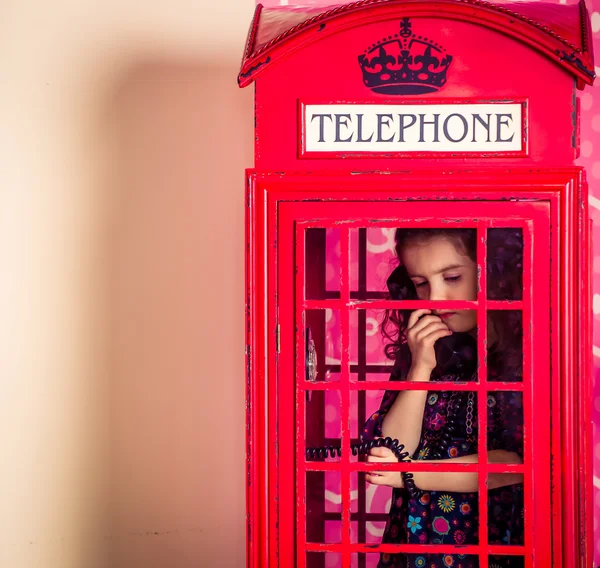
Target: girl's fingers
(431, 328)
(414, 317)
(375, 479)
(434, 336)
(422, 323)
(384, 479)
(386, 459)
(380, 452)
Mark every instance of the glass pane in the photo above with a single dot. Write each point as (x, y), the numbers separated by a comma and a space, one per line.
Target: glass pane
(364, 560)
(505, 510)
(368, 359)
(505, 426)
(370, 510)
(456, 354)
(334, 560)
(322, 259)
(506, 561)
(323, 425)
(323, 507)
(372, 260)
(323, 345)
(323, 560)
(324, 513)
(505, 345)
(505, 264)
(363, 404)
(506, 514)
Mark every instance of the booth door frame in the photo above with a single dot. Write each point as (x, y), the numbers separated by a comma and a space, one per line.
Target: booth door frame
(295, 218)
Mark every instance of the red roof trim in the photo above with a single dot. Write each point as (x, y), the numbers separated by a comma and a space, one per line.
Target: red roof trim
(252, 32)
(578, 60)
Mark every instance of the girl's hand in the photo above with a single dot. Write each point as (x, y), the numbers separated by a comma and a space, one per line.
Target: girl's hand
(389, 478)
(423, 330)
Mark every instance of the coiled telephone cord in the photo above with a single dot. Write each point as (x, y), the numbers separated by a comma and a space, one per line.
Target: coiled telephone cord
(363, 448)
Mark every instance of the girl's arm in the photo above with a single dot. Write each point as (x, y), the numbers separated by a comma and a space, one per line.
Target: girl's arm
(468, 482)
(404, 420)
(459, 482)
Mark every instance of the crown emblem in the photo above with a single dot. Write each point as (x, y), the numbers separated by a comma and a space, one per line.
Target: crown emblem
(405, 64)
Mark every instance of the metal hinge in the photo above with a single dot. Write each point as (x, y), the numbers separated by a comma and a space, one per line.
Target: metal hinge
(277, 338)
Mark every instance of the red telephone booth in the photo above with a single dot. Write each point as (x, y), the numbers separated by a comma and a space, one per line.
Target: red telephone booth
(415, 192)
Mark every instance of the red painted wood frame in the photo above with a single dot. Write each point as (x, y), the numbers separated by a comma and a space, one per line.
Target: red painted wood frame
(547, 205)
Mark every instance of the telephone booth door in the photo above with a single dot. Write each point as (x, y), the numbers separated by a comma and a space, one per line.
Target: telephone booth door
(328, 372)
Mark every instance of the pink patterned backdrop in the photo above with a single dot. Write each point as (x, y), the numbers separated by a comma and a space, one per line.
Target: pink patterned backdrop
(590, 159)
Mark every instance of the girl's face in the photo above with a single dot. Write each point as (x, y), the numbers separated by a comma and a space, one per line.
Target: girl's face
(440, 271)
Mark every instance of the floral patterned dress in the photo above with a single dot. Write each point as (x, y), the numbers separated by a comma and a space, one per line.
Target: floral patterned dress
(444, 517)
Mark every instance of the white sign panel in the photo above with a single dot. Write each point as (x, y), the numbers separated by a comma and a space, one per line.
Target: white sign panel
(451, 127)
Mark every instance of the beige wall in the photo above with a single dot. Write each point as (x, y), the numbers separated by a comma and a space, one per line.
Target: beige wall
(123, 141)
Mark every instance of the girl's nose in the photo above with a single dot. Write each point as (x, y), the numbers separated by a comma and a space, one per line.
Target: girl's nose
(437, 293)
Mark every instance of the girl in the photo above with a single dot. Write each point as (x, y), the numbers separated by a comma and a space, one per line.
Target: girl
(442, 426)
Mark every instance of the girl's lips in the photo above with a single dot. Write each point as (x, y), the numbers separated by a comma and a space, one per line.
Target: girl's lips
(447, 315)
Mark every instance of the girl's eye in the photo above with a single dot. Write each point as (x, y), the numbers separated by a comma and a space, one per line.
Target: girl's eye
(452, 278)
(420, 284)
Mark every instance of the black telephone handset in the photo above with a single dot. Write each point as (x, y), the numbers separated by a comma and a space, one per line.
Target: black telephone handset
(456, 353)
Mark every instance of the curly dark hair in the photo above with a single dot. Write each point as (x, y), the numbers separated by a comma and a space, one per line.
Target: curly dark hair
(504, 282)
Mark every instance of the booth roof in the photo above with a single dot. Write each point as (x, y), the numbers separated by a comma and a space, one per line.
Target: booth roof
(561, 31)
